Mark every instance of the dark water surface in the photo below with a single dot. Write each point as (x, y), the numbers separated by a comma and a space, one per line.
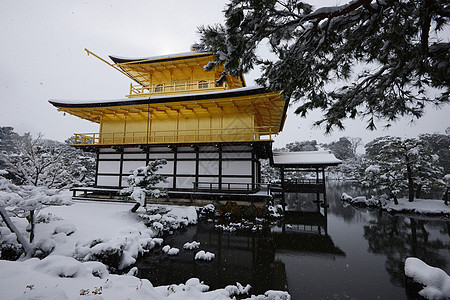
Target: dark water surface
(341, 253)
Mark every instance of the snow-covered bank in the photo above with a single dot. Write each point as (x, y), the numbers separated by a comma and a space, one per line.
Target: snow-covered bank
(418, 206)
(77, 237)
(435, 282)
(59, 277)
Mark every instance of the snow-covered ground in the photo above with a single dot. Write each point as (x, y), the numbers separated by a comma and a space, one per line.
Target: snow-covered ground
(79, 233)
(418, 206)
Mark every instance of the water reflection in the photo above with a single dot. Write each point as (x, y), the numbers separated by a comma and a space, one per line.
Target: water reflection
(318, 253)
(400, 237)
(243, 257)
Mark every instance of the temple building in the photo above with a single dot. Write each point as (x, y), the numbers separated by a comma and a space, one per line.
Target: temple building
(211, 135)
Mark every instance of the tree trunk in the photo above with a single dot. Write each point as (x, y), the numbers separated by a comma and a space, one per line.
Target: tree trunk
(410, 180)
(135, 207)
(418, 191)
(20, 238)
(31, 221)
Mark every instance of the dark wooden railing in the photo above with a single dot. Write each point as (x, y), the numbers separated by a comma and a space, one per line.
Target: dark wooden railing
(229, 187)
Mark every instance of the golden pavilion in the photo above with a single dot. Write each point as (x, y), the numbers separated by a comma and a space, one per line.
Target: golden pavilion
(212, 135)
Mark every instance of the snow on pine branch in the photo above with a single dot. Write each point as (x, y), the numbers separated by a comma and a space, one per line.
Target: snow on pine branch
(373, 59)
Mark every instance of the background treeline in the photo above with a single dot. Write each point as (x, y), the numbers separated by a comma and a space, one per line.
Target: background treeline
(393, 165)
(28, 160)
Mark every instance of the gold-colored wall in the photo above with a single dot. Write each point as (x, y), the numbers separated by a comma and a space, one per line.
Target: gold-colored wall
(166, 130)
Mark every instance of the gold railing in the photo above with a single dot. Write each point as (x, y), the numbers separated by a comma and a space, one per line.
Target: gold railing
(262, 133)
(184, 86)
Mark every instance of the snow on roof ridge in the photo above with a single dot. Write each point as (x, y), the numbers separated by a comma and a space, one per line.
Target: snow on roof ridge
(305, 158)
(157, 56)
(93, 101)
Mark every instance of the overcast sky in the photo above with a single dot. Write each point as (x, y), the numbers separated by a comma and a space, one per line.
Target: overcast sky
(42, 58)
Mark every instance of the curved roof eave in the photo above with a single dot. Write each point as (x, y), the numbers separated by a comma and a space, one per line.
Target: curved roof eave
(247, 91)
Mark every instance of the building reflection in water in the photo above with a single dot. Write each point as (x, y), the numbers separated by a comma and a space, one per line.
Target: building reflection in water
(244, 257)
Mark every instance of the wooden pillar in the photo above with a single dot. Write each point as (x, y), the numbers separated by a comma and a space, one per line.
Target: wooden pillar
(219, 147)
(120, 166)
(324, 188)
(96, 166)
(175, 162)
(317, 190)
(283, 200)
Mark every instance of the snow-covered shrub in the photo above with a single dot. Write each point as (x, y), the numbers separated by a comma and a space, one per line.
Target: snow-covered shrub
(346, 198)
(47, 218)
(207, 211)
(191, 245)
(117, 253)
(64, 266)
(202, 255)
(192, 286)
(164, 221)
(67, 229)
(142, 183)
(244, 225)
(44, 247)
(170, 251)
(435, 282)
(361, 200)
(275, 211)
(26, 201)
(9, 247)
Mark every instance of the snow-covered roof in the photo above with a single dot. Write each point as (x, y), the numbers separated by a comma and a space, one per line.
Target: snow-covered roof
(119, 59)
(158, 99)
(305, 159)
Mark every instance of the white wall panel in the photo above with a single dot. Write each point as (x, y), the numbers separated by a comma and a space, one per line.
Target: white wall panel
(129, 166)
(109, 167)
(107, 150)
(166, 169)
(237, 167)
(109, 156)
(186, 155)
(108, 181)
(160, 156)
(208, 167)
(186, 167)
(237, 155)
(209, 155)
(185, 182)
(141, 156)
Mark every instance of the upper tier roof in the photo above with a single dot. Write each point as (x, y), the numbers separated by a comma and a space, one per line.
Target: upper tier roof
(245, 91)
(161, 58)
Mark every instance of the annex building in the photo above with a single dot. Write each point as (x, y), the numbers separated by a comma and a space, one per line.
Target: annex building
(211, 135)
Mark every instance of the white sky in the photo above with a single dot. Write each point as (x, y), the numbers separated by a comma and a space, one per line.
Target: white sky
(43, 58)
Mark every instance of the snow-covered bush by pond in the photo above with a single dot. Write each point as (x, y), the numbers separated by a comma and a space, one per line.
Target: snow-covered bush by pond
(191, 246)
(202, 255)
(435, 282)
(120, 252)
(170, 251)
(275, 211)
(207, 211)
(361, 200)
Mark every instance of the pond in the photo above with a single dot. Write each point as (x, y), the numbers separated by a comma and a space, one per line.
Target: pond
(339, 252)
